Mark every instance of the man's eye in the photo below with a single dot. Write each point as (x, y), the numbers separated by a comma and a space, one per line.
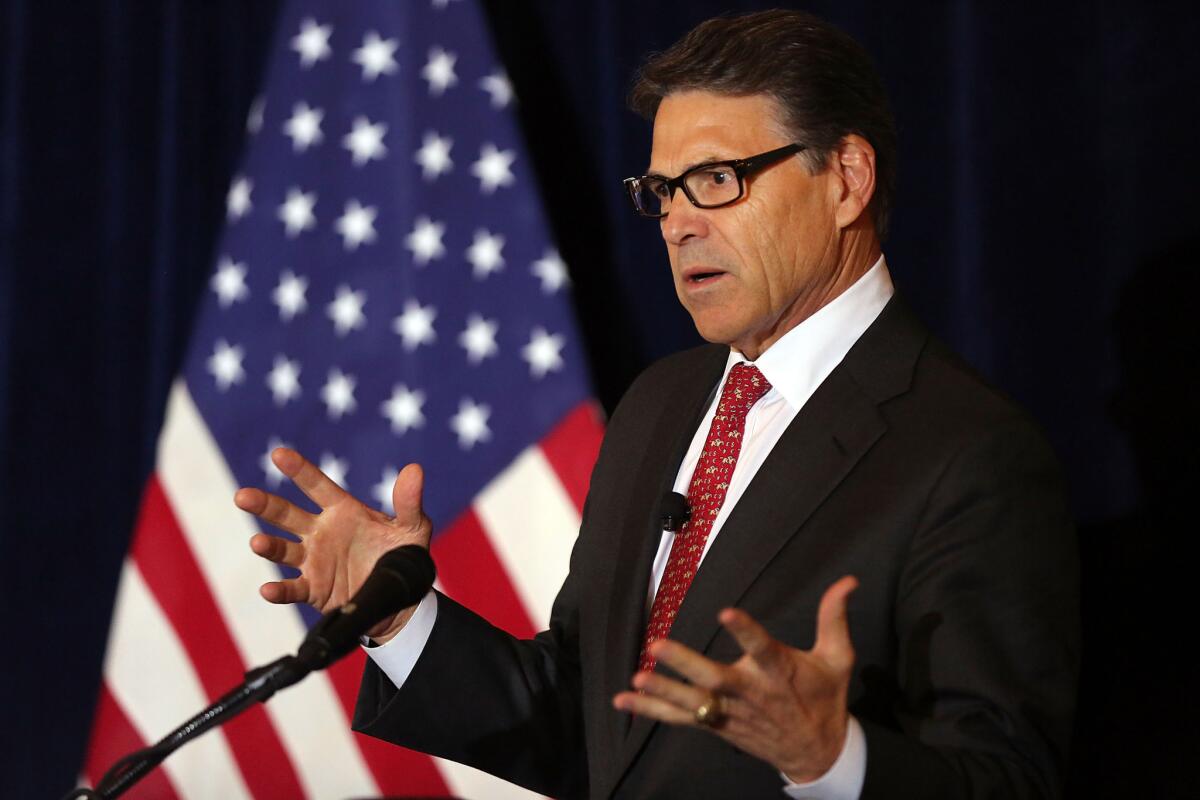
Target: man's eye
(717, 176)
(660, 190)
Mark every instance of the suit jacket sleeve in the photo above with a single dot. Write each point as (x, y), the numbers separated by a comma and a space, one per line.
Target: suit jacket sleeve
(481, 697)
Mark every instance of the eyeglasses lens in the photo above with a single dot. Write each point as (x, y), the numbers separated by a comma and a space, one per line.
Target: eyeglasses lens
(653, 197)
(713, 185)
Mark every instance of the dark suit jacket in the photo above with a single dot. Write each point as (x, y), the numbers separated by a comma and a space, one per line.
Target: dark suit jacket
(903, 469)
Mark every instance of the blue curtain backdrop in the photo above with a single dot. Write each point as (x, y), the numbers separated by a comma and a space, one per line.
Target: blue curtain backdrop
(1046, 226)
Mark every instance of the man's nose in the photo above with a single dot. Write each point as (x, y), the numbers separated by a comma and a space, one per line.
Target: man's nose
(684, 221)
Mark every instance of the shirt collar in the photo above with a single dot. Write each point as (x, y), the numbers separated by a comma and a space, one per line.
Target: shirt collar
(803, 357)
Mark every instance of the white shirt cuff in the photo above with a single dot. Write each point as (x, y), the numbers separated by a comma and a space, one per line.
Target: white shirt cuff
(399, 655)
(844, 780)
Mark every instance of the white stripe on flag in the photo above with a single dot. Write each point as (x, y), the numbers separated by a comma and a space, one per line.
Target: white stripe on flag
(308, 716)
(152, 679)
(532, 525)
(468, 782)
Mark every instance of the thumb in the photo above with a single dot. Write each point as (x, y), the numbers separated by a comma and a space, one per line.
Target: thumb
(833, 631)
(406, 497)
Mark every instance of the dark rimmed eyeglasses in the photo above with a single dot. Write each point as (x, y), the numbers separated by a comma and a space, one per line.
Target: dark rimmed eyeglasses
(710, 185)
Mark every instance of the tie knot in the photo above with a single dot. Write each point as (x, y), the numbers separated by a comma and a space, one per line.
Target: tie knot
(745, 386)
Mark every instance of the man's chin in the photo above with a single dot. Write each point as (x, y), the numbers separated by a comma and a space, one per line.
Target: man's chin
(717, 332)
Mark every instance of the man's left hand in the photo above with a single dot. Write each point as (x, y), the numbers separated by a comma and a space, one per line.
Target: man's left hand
(780, 704)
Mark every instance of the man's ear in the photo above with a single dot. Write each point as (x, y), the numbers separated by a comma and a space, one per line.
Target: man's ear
(854, 163)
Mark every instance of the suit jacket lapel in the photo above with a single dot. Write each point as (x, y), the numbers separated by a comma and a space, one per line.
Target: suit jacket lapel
(639, 541)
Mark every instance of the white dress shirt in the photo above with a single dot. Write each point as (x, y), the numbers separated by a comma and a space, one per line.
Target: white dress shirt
(795, 366)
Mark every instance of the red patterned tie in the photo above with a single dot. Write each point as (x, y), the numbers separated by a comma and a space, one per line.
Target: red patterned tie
(706, 493)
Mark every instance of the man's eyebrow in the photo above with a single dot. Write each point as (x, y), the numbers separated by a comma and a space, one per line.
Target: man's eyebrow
(701, 163)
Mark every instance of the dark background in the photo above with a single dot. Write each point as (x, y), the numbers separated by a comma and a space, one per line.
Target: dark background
(1045, 226)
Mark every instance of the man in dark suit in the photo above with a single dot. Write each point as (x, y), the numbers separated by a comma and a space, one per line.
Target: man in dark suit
(826, 435)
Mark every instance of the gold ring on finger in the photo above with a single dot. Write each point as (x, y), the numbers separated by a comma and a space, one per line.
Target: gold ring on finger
(711, 713)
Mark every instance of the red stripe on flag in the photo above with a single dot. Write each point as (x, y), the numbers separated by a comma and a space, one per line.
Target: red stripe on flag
(113, 737)
(471, 572)
(170, 570)
(572, 446)
(397, 770)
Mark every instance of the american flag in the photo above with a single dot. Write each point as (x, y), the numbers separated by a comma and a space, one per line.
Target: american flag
(385, 291)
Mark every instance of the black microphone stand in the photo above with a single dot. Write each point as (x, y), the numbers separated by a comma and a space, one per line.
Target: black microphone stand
(258, 687)
(400, 578)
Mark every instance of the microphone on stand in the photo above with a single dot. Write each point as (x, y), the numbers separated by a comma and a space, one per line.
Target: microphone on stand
(401, 577)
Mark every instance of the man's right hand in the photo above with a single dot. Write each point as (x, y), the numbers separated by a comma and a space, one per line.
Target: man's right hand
(339, 546)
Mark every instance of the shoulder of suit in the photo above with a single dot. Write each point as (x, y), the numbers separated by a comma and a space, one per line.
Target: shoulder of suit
(680, 374)
(696, 364)
(962, 402)
(918, 379)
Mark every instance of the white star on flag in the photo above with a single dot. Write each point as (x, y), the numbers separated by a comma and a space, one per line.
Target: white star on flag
(312, 43)
(273, 474)
(415, 325)
(284, 380)
(237, 202)
(544, 352)
(484, 254)
(376, 56)
(254, 118)
(335, 468)
(551, 271)
(479, 338)
(470, 423)
(338, 393)
(434, 155)
(346, 310)
(365, 141)
(225, 364)
(297, 212)
(304, 126)
(382, 491)
(403, 409)
(425, 241)
(356, 225)
(229, 282)
(492, 168)
(289, 295)
(439, 71)
(498, 87)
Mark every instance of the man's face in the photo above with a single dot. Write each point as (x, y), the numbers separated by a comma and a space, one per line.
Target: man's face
(751, 271)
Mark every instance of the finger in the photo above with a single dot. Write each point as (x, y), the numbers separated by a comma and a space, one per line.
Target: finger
(315, 484)
(654, 708)
(696, 668)
(680, 694)
(755, 640)
(406, 496)
(294, 590)
(833, 643)
(274, 509)
(277, 549)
